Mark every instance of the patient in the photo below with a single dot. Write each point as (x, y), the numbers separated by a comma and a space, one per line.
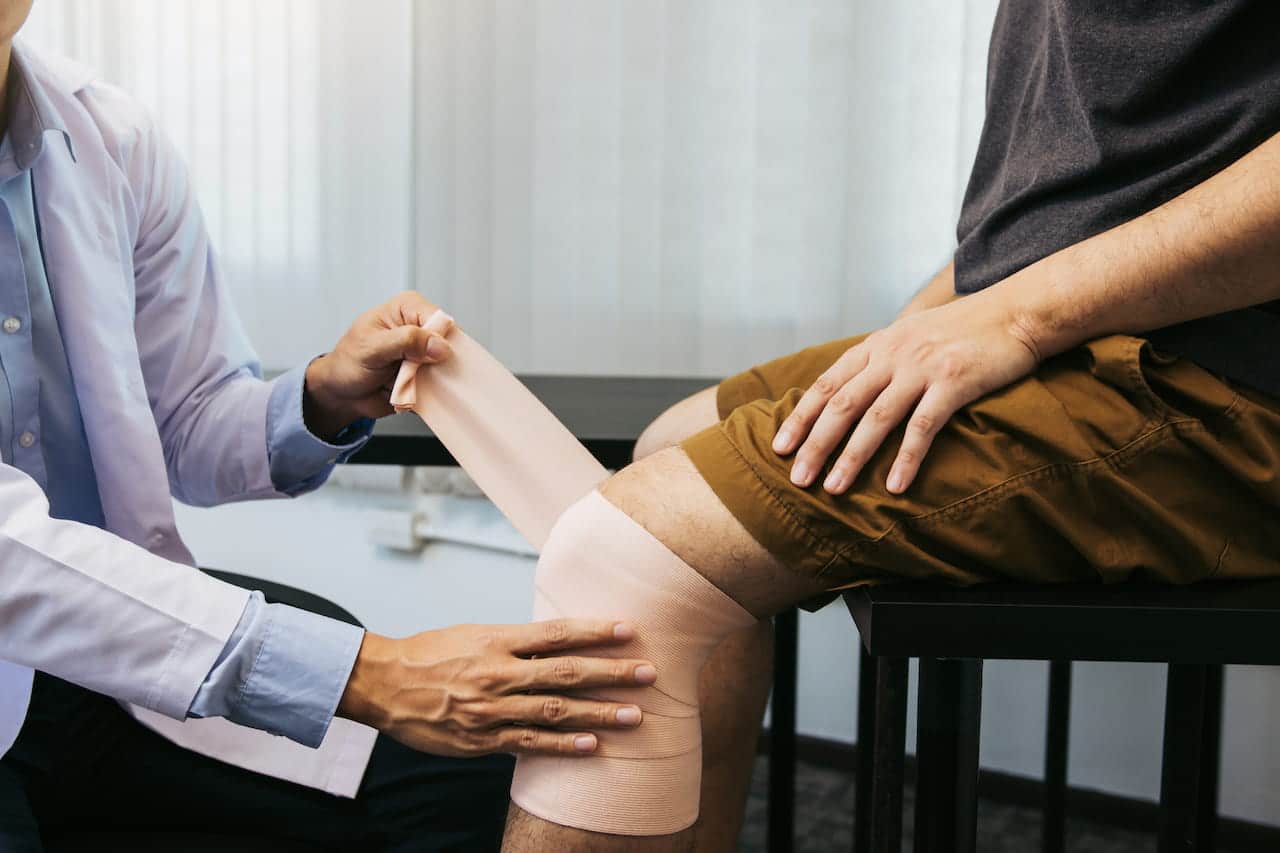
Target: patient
(1102, 404)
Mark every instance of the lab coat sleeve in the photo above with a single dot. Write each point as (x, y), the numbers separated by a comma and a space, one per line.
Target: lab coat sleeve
(202, 377)
(300, 461)
(92, 608)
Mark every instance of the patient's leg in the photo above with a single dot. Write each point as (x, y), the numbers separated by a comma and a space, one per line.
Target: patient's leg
(734, 689)
(665, 495)
(735, 681)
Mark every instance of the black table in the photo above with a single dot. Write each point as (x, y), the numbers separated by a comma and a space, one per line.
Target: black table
(607, 414)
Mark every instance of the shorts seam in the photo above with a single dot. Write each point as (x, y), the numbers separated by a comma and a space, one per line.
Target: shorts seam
(817, 540)
(1217, 565)
(1232, 412)
(996, 492)
(733, 385)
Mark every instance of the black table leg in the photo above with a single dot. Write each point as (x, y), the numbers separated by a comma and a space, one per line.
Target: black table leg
(782, 734)
(866, 751)
(948, 720)
(1180, 794)
(1057, 731)
(890, 744)
(1210, 758)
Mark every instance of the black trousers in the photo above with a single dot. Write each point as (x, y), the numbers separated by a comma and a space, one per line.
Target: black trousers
(81, 763)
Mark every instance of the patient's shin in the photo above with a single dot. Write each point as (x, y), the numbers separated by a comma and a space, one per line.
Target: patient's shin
(599, 562)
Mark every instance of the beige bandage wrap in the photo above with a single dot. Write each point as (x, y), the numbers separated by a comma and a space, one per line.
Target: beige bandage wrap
(599, 562)
(515, 450)
(596, 562)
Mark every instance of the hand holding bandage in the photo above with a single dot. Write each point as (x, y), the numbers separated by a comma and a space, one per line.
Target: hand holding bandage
(524, 459)
(598, 563)
(349, 382)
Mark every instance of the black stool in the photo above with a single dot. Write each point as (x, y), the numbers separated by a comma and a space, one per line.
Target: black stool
(165, 842)
(1194, 629)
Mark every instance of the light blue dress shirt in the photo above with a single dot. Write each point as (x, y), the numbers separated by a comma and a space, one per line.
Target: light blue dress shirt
(282, 670)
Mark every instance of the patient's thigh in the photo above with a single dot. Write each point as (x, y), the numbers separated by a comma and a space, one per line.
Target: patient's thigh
(665, 494)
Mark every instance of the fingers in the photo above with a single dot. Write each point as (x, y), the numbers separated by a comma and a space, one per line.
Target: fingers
(521, 740)
(556, 635)
(801, 420)
(889, 409)
(565, 673)
(409, 308)
(932, 412)
(567, 713)
(407, 343)
(842, 410)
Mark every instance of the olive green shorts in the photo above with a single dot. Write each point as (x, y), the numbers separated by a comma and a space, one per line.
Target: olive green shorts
(1111, 462)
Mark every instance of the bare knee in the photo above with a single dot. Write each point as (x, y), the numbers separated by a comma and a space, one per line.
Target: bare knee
(690, 415)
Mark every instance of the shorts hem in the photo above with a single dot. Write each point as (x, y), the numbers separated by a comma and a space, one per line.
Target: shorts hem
(756, 505)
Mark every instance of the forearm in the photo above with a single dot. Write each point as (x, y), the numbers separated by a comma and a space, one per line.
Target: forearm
(1215, 248)
(939, 290)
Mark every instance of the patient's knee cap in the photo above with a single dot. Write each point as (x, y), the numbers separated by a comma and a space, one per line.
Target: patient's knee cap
(600, 563)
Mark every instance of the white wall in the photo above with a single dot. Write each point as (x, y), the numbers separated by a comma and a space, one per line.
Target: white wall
(318, 543)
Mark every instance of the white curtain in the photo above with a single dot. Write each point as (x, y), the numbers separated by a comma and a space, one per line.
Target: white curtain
(591, 186)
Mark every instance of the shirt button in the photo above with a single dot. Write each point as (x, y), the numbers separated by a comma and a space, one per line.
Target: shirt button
(27, 439)
(11, 325)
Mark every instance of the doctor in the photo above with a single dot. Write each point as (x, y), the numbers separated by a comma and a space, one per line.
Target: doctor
(125, 379)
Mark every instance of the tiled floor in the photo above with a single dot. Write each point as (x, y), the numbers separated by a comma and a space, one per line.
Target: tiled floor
(824, 809)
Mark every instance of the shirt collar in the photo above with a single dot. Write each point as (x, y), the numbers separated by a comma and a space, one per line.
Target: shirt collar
(31, 116)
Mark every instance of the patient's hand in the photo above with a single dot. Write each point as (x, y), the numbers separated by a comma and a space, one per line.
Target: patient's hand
(474, 689)
(354, 380)
(920, 370)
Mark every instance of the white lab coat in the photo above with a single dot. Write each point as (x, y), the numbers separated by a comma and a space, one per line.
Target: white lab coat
(172, 404)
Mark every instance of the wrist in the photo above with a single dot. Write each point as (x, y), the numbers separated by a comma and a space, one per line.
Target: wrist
(363, 699)
(1041, 308)
(324, 412)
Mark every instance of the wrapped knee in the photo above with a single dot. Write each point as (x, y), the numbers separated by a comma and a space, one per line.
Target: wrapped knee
(600, 563)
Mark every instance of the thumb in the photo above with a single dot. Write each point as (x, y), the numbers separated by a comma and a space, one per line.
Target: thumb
(407, 343)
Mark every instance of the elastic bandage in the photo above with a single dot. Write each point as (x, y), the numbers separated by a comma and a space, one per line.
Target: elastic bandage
(596, 562)
(645, 781)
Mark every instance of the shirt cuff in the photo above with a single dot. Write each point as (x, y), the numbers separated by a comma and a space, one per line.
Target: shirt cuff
(284, 670)
(301, 461)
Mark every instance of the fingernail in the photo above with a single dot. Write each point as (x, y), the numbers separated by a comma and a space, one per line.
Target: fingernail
(895, 481)
(800, 474)
(584, 743)
(781, 441)
(834, 481)
(436, 347)
(623, 631)
(646, 674)
(629, 716)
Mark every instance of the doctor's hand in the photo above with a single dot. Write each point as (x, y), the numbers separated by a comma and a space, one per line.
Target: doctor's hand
(474, 689)
(354, 380)
(921, 369)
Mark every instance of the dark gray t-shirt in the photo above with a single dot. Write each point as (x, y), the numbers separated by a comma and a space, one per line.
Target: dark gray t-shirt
(1098, 112)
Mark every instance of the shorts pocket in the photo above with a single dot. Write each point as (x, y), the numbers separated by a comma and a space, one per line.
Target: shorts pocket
(1164, 386)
